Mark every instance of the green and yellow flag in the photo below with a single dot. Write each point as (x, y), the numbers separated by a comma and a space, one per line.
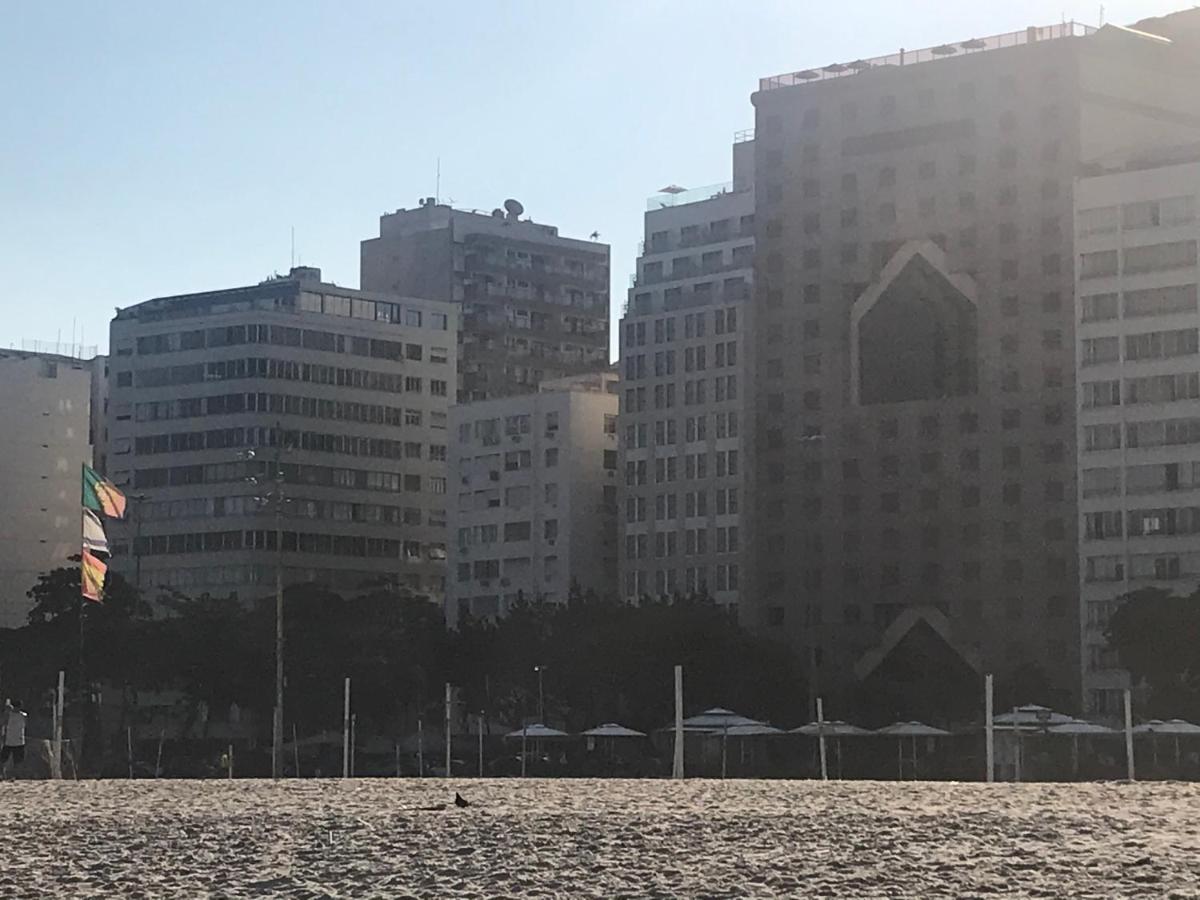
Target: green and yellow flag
(92, 570)
(102, 495)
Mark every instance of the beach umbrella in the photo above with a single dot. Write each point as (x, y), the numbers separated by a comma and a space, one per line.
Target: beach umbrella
(612, 730)
(913, 730)
(836, 730)
(1075, 728)
(713, 720)
(537, 732)
(743, 730)
(1173, 727)
(1032, 716)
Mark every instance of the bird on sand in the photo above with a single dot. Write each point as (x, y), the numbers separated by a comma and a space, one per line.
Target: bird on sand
(459, 801)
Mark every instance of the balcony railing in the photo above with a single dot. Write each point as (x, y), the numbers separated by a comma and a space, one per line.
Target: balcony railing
(929, 54)
(668, 199)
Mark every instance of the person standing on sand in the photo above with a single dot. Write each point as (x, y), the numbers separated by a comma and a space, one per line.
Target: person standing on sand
(14, 737)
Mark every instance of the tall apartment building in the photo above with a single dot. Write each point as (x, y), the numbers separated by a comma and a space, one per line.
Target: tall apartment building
(346, 391)
(535, 305)
(44, 442)
(913, 500)
(1138, 381)
(535, 512)
(682, 364)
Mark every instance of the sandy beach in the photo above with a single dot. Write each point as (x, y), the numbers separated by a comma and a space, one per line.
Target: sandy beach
(373, 838)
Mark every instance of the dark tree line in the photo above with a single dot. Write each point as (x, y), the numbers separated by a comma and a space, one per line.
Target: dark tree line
(603, 660)
(1156, 635)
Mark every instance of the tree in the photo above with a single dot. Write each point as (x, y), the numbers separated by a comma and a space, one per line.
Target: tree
(1156, 635)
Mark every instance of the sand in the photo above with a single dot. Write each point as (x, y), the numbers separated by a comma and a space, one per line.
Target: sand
(368, 838)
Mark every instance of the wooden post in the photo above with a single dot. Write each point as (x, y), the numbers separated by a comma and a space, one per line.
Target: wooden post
(58, 725)
(296, 749)
(677, 769)
(129, 748)
(229, 761)
(397, 759)
(724, 748)
(524, 729)
(162, 733)
(1129, 735)
(1016, 746)
(821, 738)
(346, 730)
(420, 748)
(353, 741)
(989, 727)
(449, 700)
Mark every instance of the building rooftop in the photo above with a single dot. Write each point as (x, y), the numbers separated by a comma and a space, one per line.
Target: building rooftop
(904, 57)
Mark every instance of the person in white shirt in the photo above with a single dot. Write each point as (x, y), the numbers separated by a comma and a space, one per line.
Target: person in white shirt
(14, 736)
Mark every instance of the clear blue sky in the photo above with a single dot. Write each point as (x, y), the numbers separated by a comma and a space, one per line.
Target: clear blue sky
(150, 148)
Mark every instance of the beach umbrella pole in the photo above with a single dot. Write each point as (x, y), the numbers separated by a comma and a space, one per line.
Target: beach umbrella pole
(448, 702)
(420, 748)
(990, 727)
(677, 769)
(1129, 735)
(346, 728)
(481, 745)
(524, 730)
(821, 738)
(724, 750)
(900, 757)
(296, 749)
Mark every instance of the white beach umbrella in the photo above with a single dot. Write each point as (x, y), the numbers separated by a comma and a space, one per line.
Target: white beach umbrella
(1173, 727)
(1031, 715)
(536, 732)
(1075, 728)
(914, 730)
(612, 730)
(715, 719)
(836, 730)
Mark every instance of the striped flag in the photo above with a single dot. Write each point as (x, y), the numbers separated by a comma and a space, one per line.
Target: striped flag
(102, 495)
(91, 575)
(94, 538)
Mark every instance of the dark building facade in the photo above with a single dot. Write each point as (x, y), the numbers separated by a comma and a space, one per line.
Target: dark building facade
(913, 353)
(535, 305)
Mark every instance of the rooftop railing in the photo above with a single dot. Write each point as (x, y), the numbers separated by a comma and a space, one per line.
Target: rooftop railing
(679, 197)
(929, 54)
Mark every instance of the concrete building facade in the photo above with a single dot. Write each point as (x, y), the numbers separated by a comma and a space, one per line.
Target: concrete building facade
(534, 304)
(536, 494)
(682, 364)
(43, 445)
(912, 496)
(345, 393)
(1138, 381)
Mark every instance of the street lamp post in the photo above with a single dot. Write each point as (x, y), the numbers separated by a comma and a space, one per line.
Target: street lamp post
(541, 695)
(275, 497)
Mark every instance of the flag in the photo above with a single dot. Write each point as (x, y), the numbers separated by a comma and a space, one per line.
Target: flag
(91, 575)
(94, 538)
(102, 495)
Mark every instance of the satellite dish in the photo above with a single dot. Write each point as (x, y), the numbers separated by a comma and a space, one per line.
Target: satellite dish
(513, 207)
(497, 213)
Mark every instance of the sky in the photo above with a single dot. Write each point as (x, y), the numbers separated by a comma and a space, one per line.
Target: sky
(151, 148)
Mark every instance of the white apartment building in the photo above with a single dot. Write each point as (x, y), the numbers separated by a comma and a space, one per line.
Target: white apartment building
(1138, 379)
(682, 364)
(331, 400)
(44, 442)
(535, 506)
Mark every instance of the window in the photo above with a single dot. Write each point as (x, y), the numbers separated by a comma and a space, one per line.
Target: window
(1157, 257)
(1157, 301)
(1100, 264)
(1102, 307)
(1095, 351)
(1101, 220)
(551, 457)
